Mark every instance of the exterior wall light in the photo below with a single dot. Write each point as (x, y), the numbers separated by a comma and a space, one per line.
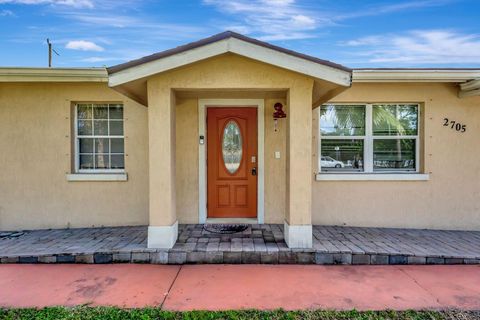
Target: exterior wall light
(278, 114)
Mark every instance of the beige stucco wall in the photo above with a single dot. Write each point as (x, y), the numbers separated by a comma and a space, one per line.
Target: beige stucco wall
(450, 199)
(275, 169)
(299, 151)
(35, 156)
(35, 144)
(187, 162)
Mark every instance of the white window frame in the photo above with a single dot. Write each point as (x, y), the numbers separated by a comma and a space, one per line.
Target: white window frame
(77, 140)
(368, 139)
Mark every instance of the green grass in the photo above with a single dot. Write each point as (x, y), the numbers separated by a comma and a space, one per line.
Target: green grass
(89, 313)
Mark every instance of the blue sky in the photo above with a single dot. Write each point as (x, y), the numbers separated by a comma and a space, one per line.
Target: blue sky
(356, 33)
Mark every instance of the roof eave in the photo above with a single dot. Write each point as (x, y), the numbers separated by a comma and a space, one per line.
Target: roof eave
(415, 75)
(14, 74)
(470, 89)
(233, 43)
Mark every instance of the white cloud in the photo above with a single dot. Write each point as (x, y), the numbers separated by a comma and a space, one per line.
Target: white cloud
(419, 47)
(96, 59)
(268, 19)
(69, 3)
(83, 45)
(123, 54)
(364, 41)
(391, 8)
(137, 26)
(278, 2)
(302, 21)
(288, 20)
(6, 13)
(76, 3)
(105, 20)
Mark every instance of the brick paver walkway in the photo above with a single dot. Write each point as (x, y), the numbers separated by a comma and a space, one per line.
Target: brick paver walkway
(258, 244)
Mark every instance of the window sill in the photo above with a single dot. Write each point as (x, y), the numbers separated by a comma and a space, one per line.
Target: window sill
(97, 177)
(372, 177)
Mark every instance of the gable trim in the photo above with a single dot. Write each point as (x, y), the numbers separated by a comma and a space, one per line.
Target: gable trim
(260, 51)
(290, 62)
(170, 62)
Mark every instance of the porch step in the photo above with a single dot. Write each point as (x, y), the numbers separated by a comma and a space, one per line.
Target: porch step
(259, 244)
(229, 257)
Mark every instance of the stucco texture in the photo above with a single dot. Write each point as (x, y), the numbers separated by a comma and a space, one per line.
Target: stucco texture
(449, 200)
(173, 121)
(35, 156)
(162, 186)
(187, 162)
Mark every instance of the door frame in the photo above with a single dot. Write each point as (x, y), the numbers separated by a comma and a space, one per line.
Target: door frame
(203, 104)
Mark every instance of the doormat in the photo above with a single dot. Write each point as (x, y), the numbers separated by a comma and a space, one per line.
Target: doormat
(225, 228)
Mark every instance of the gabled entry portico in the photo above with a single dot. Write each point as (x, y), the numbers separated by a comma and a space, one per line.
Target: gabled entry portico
(173, 85)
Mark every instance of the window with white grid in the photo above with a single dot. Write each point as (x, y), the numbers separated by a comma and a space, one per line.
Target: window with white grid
(370, 138)
(99, 137)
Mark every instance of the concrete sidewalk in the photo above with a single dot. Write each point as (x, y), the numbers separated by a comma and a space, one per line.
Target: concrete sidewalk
(220, 287)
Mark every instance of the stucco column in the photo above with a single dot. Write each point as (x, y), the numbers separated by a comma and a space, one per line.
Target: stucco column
(163, 228)
(298, 220)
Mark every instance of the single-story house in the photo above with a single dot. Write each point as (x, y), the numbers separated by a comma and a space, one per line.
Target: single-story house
(234, 130)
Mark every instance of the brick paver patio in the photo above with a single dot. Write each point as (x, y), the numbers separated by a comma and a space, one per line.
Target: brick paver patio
(258, 244)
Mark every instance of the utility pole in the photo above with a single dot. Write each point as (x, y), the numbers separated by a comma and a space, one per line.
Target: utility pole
(49, 53)
(50, 49)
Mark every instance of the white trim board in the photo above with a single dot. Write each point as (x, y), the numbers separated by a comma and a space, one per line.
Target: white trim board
(203, 104)
(97, 177)
(414, 75)
(53, 74)
(237, 46)
(372, 177)
(232, 220)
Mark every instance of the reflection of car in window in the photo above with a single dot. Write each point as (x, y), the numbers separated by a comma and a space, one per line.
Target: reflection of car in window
(329, 162)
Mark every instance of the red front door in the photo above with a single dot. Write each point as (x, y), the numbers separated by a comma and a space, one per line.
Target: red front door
(232, 162)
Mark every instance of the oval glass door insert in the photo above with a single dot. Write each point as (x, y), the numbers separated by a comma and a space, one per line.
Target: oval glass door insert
(232, 146)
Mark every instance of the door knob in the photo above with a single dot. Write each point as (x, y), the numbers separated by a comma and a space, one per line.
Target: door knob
(254, 171)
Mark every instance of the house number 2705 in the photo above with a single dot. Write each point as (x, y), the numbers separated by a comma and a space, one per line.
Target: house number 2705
(454, 125)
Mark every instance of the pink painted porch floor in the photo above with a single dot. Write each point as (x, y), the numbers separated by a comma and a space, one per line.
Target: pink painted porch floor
(220, 287)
